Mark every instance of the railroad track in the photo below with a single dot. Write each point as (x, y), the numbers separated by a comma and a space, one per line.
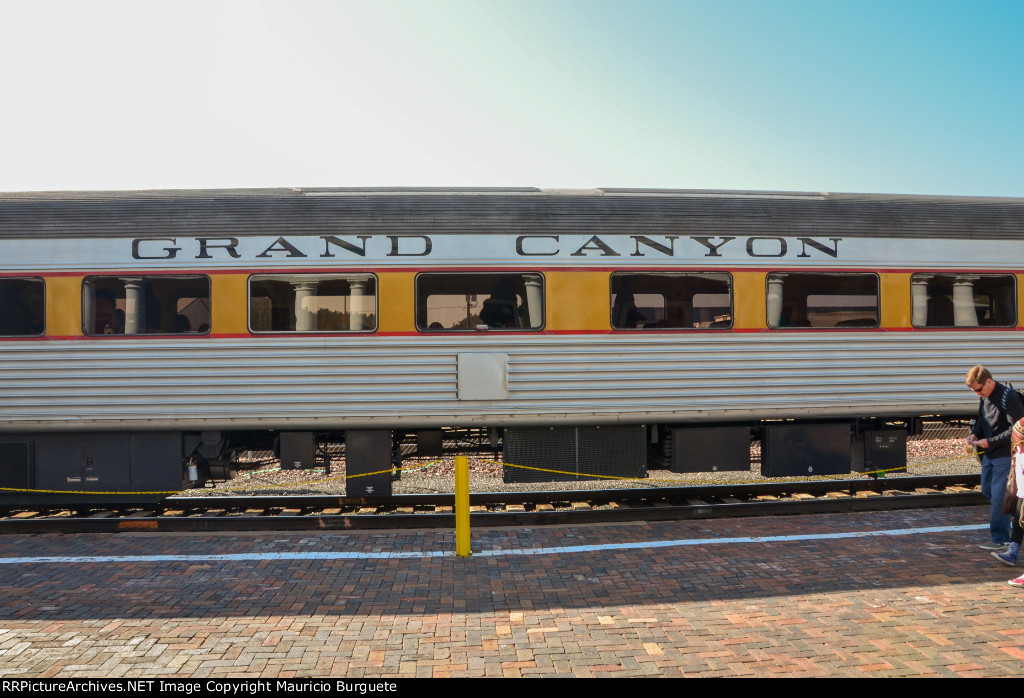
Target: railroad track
(327, 512)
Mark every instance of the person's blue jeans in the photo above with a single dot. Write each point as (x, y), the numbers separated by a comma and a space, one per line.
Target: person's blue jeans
(994, 472)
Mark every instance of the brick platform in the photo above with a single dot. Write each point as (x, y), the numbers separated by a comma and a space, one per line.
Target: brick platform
(929, 604)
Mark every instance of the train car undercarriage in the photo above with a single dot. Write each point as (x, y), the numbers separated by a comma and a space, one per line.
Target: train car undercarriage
(148, 466)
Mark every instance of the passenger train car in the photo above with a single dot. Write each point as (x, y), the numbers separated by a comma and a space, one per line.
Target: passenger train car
(147, 337)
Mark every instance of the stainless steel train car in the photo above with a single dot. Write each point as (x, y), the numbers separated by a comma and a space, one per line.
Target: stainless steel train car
(146, 337)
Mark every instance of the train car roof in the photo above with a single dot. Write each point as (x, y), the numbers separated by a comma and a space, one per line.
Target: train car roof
(344, 211)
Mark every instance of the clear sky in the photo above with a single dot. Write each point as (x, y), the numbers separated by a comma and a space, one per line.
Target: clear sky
(857, 96)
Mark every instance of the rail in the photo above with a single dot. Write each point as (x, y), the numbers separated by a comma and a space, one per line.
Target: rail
(330, 512)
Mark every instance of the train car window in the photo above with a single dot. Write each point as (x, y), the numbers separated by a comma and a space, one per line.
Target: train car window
(799, 299)
(963, 300)
(313, 303)
(461, 302)
(675, 301)
(21, 307)
(113, 305)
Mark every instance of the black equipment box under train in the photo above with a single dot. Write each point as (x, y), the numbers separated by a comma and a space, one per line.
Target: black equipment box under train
(549, 454)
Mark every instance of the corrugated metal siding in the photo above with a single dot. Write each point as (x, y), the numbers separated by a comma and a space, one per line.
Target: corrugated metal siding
(312, 382)
(605, 212)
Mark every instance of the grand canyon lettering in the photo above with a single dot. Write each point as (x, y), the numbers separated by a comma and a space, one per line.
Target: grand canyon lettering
(533, 245)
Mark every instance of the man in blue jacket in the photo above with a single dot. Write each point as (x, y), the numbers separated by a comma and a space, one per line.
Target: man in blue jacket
(999, 408)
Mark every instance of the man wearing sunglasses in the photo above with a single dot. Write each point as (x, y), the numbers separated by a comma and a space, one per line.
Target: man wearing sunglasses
(999, 408)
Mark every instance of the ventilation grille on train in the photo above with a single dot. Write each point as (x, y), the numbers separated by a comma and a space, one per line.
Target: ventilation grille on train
(572, 453)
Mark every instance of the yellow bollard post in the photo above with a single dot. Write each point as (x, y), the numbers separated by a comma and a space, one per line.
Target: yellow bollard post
(462, 547)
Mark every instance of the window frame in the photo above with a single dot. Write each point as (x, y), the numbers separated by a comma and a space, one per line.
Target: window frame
(42, 280)
(878, 300)
(662, 272)
(323, 276)
(146, 277)
(1013, 296)
(497, 274)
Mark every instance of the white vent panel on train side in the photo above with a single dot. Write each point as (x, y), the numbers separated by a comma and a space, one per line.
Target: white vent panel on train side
(483, 376)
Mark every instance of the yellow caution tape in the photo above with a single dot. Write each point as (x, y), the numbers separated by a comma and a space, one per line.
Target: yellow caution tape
(226, 489)
(918, 465)
(16, 489)
(330, 479)
(568, 472)
(433, 463)
(676, 481)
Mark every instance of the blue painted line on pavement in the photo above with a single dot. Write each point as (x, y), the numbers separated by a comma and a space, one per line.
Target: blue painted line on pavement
(554, 550)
